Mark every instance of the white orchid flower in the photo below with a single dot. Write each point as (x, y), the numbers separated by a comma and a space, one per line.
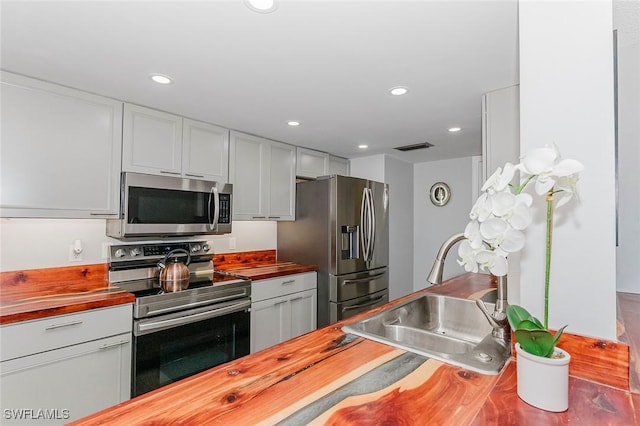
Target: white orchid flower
(499, 234)
(467, 257)
(481, 210)
(513, 208)
(472, 234)
(546, 165)
(566, 186)
(500, 179)
(495, 263)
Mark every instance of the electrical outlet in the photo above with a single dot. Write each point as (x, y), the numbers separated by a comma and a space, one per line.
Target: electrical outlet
(73, 256)
(232, 243)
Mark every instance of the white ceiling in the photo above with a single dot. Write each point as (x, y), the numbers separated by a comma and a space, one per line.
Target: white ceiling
(327, 64)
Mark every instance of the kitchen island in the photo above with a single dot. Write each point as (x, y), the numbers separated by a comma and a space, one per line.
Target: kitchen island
(327, 377)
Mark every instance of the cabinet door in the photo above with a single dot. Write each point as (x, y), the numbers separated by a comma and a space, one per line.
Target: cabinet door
(338, 166)
(303, 312)
(282, 182)
(247, 173)
(205, 151)
(270, 322)
(311, 164)
(61, 151)
(152, 141)
(71, 382)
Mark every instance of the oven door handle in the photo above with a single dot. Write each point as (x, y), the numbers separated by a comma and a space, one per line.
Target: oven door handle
(363, 305)
(150, 327)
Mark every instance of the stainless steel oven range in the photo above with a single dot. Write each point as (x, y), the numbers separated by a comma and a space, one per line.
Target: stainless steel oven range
(178, 334)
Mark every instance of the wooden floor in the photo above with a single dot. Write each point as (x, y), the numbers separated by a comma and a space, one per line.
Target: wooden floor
(629, 333)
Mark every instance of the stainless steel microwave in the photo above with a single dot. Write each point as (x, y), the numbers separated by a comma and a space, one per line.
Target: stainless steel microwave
(166, 206)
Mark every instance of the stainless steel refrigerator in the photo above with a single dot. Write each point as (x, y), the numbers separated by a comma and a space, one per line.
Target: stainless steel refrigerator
(342, 226)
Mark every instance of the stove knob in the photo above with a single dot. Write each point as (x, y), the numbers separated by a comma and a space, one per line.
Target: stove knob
(135, 252)
(205, 248)
(195, 248)
(120, 253)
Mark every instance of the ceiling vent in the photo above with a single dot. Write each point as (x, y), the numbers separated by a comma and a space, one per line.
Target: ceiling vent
(414, 147)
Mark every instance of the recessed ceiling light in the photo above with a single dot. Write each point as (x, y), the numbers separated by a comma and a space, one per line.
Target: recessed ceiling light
(454, 129)
(161, 78)
(262, 6)
(363, 146)
(398, 91)
(293, 123)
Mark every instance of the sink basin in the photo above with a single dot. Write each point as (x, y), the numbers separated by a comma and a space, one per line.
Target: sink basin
(448, 329)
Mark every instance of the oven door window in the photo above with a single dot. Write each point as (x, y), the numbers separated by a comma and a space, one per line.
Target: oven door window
(169, 355)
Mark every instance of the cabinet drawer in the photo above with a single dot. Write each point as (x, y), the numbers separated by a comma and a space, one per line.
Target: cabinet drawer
(36, 336)
(287, 284)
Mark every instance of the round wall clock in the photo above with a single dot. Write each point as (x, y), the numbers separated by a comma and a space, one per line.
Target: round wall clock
(440, 193)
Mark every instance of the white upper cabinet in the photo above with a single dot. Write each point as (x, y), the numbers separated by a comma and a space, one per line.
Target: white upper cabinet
(159, 143)
(311, 164)
(338, 166)
(61, 151)
(263, 176)
(152, 141)
(205, 151)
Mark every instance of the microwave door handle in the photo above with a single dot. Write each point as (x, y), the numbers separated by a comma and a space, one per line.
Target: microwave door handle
(213, 221)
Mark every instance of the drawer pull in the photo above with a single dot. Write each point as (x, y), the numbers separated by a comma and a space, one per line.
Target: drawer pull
(280, 303)
(296, 298)
(288, 282)
(66, 324)
(111, 345)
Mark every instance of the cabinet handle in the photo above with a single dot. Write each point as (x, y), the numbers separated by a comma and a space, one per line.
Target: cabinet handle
(111, 345)
(296, 298)
(102, 214)
(274, 217)
(288, 282)
(280, 303)
(259, 217)
(166, 172)
(66, 324)
(195, 176)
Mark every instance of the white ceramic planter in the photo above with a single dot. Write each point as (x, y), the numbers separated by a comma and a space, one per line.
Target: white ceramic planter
(543, 382)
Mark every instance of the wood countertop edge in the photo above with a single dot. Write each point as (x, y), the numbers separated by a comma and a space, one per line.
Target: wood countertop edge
(84, 287)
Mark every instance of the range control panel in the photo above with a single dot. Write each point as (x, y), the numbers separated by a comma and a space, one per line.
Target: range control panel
(152, 251)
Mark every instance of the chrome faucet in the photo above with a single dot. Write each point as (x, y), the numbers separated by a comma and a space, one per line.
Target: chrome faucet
(497, 318)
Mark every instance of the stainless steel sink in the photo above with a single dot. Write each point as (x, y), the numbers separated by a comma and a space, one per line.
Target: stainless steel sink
(445, 328)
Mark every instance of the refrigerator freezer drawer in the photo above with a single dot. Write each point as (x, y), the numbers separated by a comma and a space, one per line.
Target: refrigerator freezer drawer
(359, 284)
(340, 311)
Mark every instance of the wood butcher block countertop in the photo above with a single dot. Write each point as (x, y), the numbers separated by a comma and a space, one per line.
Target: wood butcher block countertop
(328, 378)
(258, 265)
(39, 293)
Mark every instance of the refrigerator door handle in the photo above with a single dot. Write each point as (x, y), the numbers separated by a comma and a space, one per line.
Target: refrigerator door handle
(363, 280)
(372, 224)
(363, 305)
(364, 232)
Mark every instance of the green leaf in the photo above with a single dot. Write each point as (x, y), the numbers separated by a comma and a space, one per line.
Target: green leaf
(516, 314)
(557, 336)
(537, 342)
(530, 325)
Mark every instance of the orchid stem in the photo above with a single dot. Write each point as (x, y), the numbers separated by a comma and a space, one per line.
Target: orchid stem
(547, 269)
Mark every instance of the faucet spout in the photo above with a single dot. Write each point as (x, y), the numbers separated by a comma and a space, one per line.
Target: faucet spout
(435, 276)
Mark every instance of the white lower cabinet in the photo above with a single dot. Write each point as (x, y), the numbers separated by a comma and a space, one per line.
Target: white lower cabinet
(282, 308)
(55, 385)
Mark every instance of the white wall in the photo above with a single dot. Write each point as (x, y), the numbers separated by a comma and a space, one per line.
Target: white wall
(626, 18)
(44, 243)
(566, 96)
(399, 175)
(432, 225)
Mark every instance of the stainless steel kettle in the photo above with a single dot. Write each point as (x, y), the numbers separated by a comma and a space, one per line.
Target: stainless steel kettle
(174, 275)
